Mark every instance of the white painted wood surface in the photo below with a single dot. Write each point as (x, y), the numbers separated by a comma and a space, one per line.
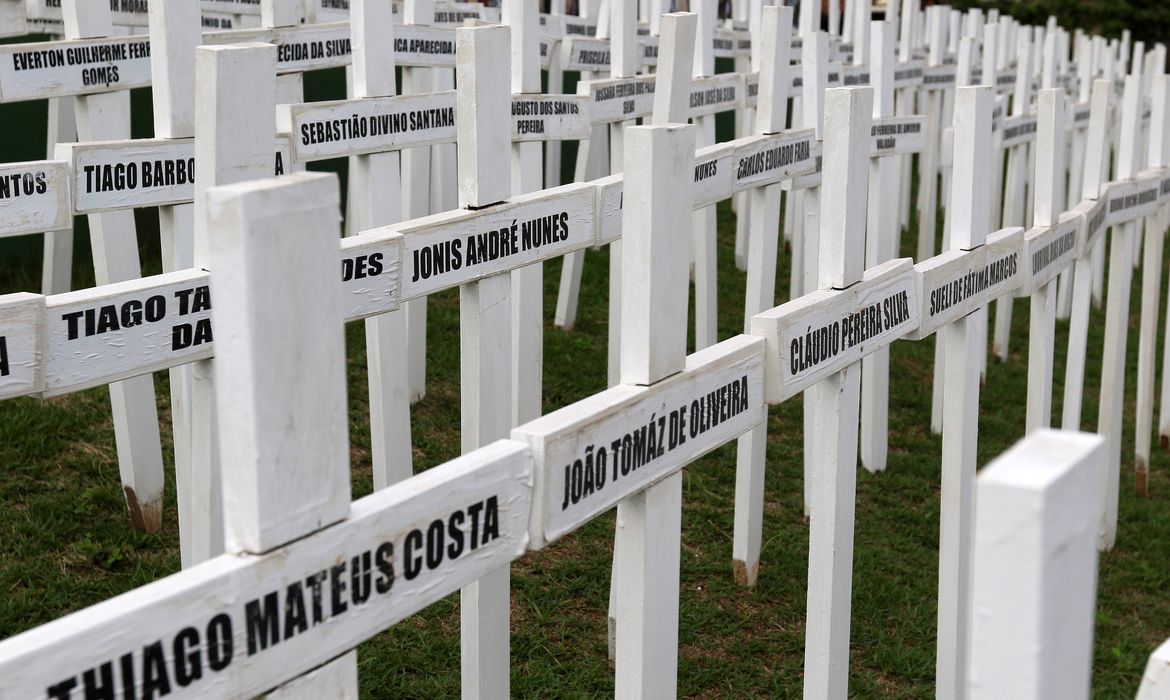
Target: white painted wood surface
(106, 116)
(1046, 253)
(485, 333)
(1156, 679)
(1158, 155)
(1110, 407)
(1096, 156)
(834, 402)
(235, 119)
(970, 207)
(763, 213)
(1035, 575)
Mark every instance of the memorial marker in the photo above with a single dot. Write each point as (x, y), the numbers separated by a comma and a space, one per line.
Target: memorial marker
(1034, 583)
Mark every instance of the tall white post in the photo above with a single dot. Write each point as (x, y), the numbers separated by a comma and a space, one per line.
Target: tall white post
(703, 230)
(971, 222)
(527, 282)
(275, 246)
(834, 401)
(1155, 227)
(654, 277)
(235, 118)
(1096, 156)
(174, 31)
(881, 244)
(814, 76)
(1035, 577)
(1049, 186)
(483, 77)
(375, 185)
(1015, 187)
(763, 242)
(1111, 405)
(671, 104)
(106, 117)
(416, 200)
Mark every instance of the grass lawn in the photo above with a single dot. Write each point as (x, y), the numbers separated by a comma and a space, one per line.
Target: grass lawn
(65, 539)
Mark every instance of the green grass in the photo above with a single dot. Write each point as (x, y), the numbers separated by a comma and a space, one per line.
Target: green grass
(65, 540)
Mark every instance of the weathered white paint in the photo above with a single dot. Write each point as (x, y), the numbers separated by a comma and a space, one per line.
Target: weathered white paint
(718, 396)
(87, 66)
(894, 136)
(115, 255)
(1156, 679)
(823, 332)
(538, 117)
(834, 403)
(457, 247)
(390, 527)
(1095, 211)
(21, 317)
(320, 130)
(485, 335)
(286, 482)
(1035, 574)
(34, 196)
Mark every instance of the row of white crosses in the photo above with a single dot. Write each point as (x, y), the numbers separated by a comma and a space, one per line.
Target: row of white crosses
(860, 288)
(363, 251)
(124, 187)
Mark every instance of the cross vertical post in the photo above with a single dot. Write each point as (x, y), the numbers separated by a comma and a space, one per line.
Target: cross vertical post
(1109, 418)
(834, 402)
(416, 182)
(275, 246)
(814, 72)
(654, 333)
(174, 31)
(763, 243)
(527, 282)
(623, 64)
(1015, 187)
(881, 244)
(375, 186)
(703, 230)
(675, 52)
(482, 112)
(1049, 185)
(1035, 577)
(1158, 156)
(106, 117)
(970, 204)
(1096, 157)
(235, 118)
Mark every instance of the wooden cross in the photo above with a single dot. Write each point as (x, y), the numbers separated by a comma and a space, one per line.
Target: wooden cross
(934, 76)
(703, 230)
(1120, 218)
(1158, 157)
(970, 204)
(527, 168)
(310, 576)
(762, 249)
(1018, 130)
(1093, 207)
(1048, 249)
(1034, 581)
(101, 117)
(814, 343)
(625, 446)
(882, 240)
